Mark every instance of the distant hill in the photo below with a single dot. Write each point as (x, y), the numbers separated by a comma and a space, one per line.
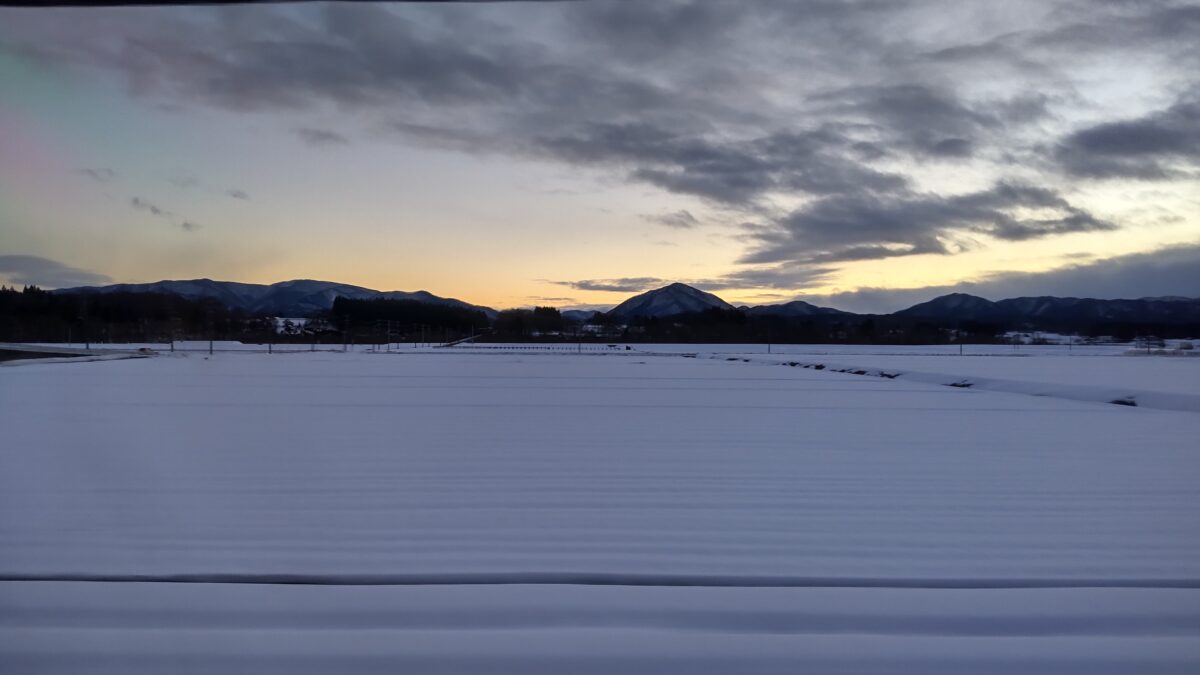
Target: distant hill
(667, 301)
(580, 315)
(1085, 315)
(1141, 310)
(795, 308)
(1053, 310)
(955, 306)
(299, 297)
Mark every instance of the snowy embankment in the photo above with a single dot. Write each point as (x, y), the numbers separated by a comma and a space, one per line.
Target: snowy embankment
(159, 628)
(1096, 374)
(68, 359)
(774, 519)
(13, 354)
(1168, 384)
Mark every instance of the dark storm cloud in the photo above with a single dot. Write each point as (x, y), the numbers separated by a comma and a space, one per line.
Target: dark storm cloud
(46, 273)
(648, 30)
(729, 171)
(321, 137)
(864, 226)
(1159, 27)
(919, 117)
(353, 56)
(1156, 28)
(359, 57)
(1173, 271)
(677, 162)
(1161, 145)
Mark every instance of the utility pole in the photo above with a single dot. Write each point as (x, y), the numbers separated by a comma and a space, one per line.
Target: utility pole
(87, 339)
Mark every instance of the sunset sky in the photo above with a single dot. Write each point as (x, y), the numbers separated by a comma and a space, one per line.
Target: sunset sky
(866, 155)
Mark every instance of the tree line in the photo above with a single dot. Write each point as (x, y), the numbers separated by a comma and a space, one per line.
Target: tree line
(31, 314)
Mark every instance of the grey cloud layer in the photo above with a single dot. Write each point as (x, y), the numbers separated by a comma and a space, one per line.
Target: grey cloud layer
(863, 226)
(680, 220)
(623, 285)
(1167, 272)
(726, 171)
(1161, 145)
(760, 277)
(321, 137)
(46, 273)
(817, 122)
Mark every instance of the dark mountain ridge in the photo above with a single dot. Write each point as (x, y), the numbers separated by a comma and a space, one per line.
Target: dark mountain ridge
(669, 300)
(1040, 309)
(308, 297)
(795, 308)
(298, 297)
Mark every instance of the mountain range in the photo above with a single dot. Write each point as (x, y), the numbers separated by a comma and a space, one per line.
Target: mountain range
(304, 297)
(297, 298)
(680, 298)
(795, 308)
(963, 307)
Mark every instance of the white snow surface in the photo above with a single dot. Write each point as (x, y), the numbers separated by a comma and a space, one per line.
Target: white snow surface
(597, 512)
(1095, 374)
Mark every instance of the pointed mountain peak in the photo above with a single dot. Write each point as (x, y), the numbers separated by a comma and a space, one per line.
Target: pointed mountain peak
(676, 298)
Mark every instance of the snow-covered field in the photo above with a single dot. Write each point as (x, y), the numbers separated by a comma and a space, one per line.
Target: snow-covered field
(490, 511)
(1099, 374)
